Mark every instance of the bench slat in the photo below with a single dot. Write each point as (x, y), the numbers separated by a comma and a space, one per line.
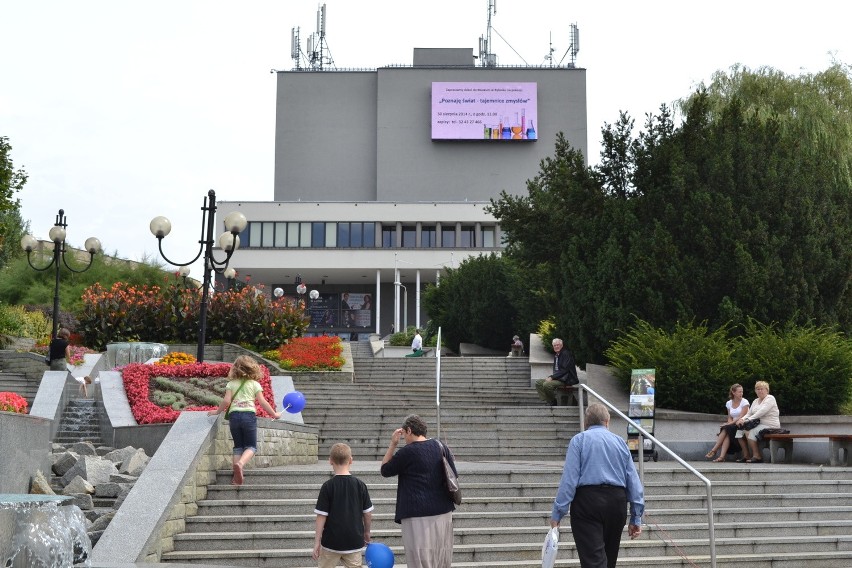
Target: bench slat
(794, 436)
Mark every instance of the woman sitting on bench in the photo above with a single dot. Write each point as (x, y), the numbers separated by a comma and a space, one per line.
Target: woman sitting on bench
(765, 408)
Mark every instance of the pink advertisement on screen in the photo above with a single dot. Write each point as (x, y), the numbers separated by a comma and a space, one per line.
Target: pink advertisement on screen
(497, 112)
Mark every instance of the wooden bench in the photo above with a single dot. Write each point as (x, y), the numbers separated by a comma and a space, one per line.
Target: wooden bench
(839, 446)
(566, 395)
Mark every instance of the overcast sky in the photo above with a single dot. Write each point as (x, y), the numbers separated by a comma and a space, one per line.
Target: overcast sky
(123, 111)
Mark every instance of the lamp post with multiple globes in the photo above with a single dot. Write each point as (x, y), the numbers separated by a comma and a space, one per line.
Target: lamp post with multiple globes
(229, 241)
(57, 235)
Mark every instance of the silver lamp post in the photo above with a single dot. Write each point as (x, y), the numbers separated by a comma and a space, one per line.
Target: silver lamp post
(57, 235)
(229, 241)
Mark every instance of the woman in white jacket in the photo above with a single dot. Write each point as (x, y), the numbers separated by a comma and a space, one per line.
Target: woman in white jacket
(765, 408)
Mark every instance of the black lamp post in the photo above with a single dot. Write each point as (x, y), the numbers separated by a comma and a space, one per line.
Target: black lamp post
(229, 241)
(57, 235)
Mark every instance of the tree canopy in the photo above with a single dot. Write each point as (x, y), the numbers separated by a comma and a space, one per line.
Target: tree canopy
(12, 181)
(741, 209)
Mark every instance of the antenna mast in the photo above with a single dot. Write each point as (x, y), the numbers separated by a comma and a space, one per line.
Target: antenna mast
(296, 48)
(318, 54)
(574, 48)
(487, 58)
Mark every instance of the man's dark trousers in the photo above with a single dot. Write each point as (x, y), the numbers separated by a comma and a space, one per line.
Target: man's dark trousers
(598, 516)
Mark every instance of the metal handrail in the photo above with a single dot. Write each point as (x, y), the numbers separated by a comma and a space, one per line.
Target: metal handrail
(641, 463)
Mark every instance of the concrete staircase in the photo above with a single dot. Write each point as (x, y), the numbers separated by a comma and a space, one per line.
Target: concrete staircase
(18, 383)
(488, 409)
(766, 516)
(79, 423)
(509, 449)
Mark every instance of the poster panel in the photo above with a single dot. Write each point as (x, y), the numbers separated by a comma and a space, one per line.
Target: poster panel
(495, 112)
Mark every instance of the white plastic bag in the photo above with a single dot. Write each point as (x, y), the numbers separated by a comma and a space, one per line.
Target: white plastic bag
(549, 548)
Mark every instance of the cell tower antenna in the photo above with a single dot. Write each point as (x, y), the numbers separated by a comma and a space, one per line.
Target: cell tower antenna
(574, 48)
(296, 49)
(488, 58)
(318, 54)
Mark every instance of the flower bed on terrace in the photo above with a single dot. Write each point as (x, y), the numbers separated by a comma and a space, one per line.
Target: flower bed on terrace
(308, 354)
(157, 393)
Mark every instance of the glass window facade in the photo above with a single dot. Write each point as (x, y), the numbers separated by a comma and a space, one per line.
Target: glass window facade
(360, 234)
(448, 237)
(427, 237)
(409, 237)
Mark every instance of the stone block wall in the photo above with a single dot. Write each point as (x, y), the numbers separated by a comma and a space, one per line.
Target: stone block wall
(278, 444)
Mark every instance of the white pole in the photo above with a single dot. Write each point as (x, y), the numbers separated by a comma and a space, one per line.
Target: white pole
(417, 301)
(378, 302)
(438, 383)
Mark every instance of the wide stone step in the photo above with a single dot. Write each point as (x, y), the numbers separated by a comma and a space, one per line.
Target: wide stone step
(652, 541)
(268, 506)
(474, 526)
(772, 554)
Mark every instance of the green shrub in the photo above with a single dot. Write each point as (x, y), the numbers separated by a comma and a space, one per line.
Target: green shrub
(19, 322)
(693, 364)
(808, 368)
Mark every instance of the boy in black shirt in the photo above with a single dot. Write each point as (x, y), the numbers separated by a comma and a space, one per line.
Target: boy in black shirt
(344, 513)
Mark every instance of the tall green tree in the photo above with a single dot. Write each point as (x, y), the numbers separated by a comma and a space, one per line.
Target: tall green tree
(742, 209)
(11, 182)
(486, 300)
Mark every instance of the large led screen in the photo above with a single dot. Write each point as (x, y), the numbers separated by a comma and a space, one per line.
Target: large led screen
(484, 111)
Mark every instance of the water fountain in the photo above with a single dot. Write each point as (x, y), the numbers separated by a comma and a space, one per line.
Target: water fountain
(42, 531)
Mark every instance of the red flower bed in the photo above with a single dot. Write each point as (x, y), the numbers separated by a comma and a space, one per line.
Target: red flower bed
(137, 382)
(13, 402)
(311, 353)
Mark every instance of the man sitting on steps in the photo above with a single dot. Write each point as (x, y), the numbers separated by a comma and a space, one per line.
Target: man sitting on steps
(564, 374)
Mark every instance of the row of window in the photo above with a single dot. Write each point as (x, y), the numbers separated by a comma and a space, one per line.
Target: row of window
(284, 234)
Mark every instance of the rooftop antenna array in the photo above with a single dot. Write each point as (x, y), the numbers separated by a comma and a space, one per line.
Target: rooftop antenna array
(488, 58)
(573, 49)
(318, 54)
(296, 49)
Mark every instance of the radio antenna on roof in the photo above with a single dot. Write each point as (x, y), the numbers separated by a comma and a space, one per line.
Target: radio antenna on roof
(488, 58)
(318, 54)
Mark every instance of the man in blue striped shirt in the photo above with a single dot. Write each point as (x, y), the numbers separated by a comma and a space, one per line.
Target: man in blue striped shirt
(598, 481)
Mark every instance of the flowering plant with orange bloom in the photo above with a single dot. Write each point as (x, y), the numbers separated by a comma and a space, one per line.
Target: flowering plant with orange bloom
(176, 358)
(138, 383)
(171, 314)
(310, 354)
(13, 402)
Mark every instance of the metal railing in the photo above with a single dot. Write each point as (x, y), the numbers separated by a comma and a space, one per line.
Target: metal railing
(641, 458)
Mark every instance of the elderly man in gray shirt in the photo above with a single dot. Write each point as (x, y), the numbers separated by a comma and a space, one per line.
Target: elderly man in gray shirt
(598, 481)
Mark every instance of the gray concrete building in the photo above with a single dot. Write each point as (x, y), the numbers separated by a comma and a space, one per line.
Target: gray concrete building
(376, 192)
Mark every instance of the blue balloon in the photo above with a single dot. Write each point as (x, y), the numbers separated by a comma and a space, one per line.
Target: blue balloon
(650, 390)
(378, 555)
(293, 402)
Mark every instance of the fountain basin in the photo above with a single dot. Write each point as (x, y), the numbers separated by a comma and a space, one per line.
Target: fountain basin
(42, 531)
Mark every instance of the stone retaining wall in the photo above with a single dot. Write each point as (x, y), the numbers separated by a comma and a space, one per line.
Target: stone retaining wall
(278, 444)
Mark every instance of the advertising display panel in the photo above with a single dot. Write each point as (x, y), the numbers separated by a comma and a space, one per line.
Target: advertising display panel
(506, 112)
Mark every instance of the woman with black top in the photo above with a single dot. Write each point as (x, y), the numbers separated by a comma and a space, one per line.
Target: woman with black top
(58, 352)
(423, 504)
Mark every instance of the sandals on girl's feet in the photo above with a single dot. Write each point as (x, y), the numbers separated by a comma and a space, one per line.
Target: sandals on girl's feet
(238, 474)
(720, 459)
(743, 460)
(754, 460)
(710, 455)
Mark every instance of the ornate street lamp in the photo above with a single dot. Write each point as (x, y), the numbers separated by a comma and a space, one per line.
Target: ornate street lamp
(300, 290)
(313, 295)
(57, 235)
(229, 241)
